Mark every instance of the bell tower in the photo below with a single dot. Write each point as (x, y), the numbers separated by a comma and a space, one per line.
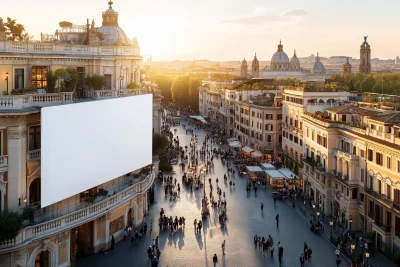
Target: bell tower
(243, 68)
(365, 57)
(255, 67)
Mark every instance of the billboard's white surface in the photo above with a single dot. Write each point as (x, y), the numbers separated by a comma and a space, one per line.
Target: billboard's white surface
(87, 144)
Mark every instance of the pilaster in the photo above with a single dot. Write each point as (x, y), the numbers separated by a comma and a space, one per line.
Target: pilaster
(16, 142)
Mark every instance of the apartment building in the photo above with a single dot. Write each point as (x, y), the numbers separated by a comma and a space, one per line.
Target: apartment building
(352, 167)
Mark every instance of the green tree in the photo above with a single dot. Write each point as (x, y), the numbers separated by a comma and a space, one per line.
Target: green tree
(51, 81)
(194, 84)
(95, 82)
(368, 84)
(160, 142)
(15, 31)
(132, 85)
(164, 84)
(10, 225)
(180, 90)
(69, 78)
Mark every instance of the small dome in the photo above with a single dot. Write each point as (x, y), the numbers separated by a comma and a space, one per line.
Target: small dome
(244, 61)
(295, 59)
(318, 66)
(114, 35)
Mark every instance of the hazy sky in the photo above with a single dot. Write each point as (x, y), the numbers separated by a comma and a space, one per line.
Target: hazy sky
(230, 29)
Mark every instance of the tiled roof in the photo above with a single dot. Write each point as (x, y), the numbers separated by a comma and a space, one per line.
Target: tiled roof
(350, 109)
(389, 117)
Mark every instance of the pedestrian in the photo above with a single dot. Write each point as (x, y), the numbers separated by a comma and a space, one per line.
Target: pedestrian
(309, 251)
(223, 248)
(125, 234)
(112, 242)
(302, 260)
(277, 220)
(215, 260)
(274, 201)
(262, 206)
(280, 253)
(255, 241)
(337, 262)
(272, 251)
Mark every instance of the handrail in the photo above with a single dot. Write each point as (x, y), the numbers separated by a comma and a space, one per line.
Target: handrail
(78, 217)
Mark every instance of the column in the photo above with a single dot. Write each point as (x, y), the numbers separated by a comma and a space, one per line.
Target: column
(16, 137)
(108, 238)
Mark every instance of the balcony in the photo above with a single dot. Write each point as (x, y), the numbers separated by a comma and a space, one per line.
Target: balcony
(71, 220)
(40, 48)
(105, 94)
(381, 197)
(10, 102)
(396, 206)
(33, 155)
(343, 154)
(382, 226)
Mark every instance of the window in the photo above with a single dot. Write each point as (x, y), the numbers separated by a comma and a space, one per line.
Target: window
(34, 138)
(388, 191)
(268, 127)
(379, 158)
(268, 116)
(362, 153)
(396, 196)
(388, 162)
(1, 144)
(398, 165)
(354, 193)
(269, 138)
(39, 76)
(362, 175)
(279, 116)
(19, 78)
(252, 113)
(370, 155)
(344, 118)
(280, 139)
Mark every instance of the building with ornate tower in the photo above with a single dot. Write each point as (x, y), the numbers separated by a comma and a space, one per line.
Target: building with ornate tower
(64, 232)
(346, 68)
(365, 57)
(243, 69)
(255, 67)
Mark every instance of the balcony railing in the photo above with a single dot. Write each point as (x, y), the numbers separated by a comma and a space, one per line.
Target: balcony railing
(33, 155)
(34, 100)
(3, 161)
(396, 206)
(378, 196)
(384, 227)
(78, 217)
(344, 154)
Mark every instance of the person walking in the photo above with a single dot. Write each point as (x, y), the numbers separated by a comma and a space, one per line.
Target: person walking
(302, 260)
(337, 262)
(277, 220)
(215, 260)
(309, 252)
(223, 248)
(262, 206)
(280, 253)
(112, 242)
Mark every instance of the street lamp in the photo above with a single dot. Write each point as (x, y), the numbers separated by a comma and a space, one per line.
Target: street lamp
(367, 256)
(318, 213)
(313, 209)
(350, 222)
(7, 81)
(353, 247)
(331, 224)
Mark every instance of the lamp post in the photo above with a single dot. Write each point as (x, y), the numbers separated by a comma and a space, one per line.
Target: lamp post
(367, 256)
(353, 247)
(313, 209)
(318, 213)
(7, 81)
(331, 224)
(350, 222)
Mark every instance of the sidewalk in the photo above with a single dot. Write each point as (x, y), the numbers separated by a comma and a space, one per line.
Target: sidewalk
(377, 259)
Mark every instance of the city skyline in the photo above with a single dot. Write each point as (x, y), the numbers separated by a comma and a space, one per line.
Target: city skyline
(178, 30)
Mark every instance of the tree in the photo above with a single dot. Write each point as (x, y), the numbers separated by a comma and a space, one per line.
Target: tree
(95, 82)
(194, 84)
(164, 84)
(69, 78)
(160, 142)
(10, 225)
(15, 31)
(51, 81)
(132, 85)
(180, 90)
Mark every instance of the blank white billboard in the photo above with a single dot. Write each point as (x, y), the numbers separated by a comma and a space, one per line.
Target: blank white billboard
(86, 144)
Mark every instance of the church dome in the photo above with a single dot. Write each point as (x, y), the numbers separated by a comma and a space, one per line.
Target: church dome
(280, 56)
(318, 67)
(110, 30)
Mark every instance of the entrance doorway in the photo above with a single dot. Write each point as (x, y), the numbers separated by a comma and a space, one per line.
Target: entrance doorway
(81, 242)
(130, 217)
(108, 78)
(42, 259)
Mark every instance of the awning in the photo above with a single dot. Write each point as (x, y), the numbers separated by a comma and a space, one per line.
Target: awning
(200, 118)
(235, 144)
(232, 139)
(254, 169)
(256, 154)
(247, 149)
(288, 173)
(268, 166)
(275, 174)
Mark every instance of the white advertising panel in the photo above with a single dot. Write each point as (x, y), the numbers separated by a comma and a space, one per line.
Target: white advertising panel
(86, 144)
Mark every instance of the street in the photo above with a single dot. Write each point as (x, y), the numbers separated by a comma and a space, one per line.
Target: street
(245, 219)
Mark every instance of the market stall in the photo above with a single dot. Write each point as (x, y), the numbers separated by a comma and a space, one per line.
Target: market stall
(247, 151)
(275, 178)
(267, 166)
(235, 144)
(292, 180)
(254, 172)
(257, 154)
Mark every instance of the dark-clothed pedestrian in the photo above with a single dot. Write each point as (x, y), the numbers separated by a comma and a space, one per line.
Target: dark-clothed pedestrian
(215, 260)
